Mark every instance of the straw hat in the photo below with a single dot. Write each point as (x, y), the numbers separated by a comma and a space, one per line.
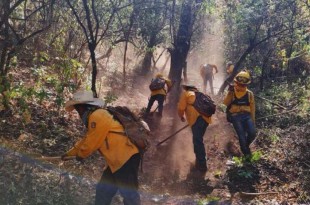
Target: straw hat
(83, 97)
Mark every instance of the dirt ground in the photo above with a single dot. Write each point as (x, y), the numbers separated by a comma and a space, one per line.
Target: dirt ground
(172, 163)
(169, 171)
(168, 175)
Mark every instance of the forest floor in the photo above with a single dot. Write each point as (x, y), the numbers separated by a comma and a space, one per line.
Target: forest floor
(280, 176)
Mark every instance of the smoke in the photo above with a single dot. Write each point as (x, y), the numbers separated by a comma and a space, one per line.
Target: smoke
(210, 51)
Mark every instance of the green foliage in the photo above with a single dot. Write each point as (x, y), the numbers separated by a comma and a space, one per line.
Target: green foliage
(270, 34)
(274, 138)
(252, 159)
(14, 61)
(245, 174)
(238, 161)
(257, 71)
(293, 95)
(209, 7)
(218, 173)
(208, 200)
(256, 156)
(110, 98)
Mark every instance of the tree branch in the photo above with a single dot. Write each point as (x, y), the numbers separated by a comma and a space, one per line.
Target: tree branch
(96, 19)
(78, 18)
(257, 194)
(285, 108)
(89, 23)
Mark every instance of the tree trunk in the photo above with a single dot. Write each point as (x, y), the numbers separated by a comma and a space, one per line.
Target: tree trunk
(94, 69)
(237, 67)
(5, 51)
(180, 51)
(124, 61)
(181, 43)
(147, 62)
(264, 73)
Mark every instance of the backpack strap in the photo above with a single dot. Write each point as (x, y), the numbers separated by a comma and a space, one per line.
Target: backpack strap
(234, 97)
(120, 133)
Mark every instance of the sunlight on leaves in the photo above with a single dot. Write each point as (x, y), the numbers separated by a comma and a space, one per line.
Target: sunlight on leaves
(208, 200)
(26, 116)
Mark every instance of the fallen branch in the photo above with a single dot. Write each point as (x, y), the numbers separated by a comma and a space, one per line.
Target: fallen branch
(285, 108)
(276, 114)
(306, 164)
(257, 194)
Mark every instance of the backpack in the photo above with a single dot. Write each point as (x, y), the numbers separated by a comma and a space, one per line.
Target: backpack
(204, 104)
(136, 130)
(157, 84)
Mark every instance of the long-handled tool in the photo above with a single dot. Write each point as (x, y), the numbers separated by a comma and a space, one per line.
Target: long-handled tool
(56, 158)
(151, 113)
(172, 135)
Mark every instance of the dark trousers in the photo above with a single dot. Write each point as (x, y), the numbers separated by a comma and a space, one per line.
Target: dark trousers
(124, 180)
(245, 130)
(208, 78)
(198, 130)
(160, 99)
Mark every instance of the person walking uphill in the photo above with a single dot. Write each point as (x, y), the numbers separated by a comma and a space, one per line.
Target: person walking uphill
(158, 93)
(121, 155)
(206, 72)
(198, 123)
(241, 110)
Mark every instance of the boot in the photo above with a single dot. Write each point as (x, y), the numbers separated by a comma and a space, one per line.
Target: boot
(159, 114)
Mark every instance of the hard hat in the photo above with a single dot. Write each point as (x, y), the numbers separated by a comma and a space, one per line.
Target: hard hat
(243, 78)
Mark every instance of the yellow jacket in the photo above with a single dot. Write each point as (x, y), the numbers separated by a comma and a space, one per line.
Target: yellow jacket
(116, 148)
(237, 108)
(162, 91)
(187, 98)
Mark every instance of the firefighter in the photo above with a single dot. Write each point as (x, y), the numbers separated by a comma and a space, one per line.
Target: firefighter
(207, 74)
(158, 93)
(198, 123)
(121, 155)
(241, 110)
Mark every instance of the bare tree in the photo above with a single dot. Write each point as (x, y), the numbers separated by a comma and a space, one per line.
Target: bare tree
(14, 32)
(94, 27)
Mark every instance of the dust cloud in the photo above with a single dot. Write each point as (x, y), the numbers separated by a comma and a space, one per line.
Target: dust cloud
(176, 156)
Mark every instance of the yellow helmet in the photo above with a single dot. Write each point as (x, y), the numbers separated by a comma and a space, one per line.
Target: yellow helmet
(243, 78)
(159, 75)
